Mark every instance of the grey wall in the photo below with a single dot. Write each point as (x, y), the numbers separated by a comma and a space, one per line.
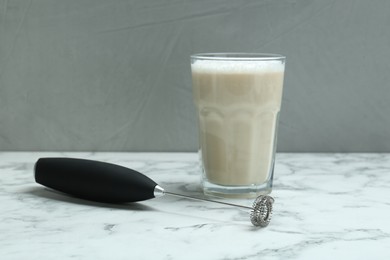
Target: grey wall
(115, 76)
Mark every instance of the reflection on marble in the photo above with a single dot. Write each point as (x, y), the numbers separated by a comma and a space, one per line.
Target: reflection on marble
(326, 206)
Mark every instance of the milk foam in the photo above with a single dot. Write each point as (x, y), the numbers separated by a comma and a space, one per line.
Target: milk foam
(237, 66)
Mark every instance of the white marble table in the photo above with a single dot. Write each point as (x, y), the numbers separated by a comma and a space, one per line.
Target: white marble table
(327, 206)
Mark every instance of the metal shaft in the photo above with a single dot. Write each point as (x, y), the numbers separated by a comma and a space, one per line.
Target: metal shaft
(201, 199)
(260, 214)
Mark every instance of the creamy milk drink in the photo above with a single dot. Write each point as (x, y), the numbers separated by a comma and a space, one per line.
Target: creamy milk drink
(238, 99)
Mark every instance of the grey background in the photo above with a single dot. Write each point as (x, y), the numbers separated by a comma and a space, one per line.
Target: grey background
(104, 75)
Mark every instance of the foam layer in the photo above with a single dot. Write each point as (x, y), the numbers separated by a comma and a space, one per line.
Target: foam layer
(237, 66)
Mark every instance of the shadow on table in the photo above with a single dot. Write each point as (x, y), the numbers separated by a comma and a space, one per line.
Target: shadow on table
(59, 196)
(54, 195)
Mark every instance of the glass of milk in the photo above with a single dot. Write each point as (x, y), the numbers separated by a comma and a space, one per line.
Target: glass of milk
(238, 98)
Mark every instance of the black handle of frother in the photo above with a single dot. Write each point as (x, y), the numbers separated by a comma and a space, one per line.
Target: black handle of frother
(94, 180)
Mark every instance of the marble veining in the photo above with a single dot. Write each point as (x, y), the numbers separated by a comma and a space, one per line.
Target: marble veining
(326, 206)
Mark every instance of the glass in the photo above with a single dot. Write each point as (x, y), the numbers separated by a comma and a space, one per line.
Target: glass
(238, 98)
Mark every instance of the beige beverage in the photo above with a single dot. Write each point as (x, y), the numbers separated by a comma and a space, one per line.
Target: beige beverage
(238, 104)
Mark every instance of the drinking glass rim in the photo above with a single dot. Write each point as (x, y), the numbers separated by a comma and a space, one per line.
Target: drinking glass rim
(237, 56)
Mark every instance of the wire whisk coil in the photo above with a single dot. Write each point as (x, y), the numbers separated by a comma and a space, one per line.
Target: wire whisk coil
(261, 211)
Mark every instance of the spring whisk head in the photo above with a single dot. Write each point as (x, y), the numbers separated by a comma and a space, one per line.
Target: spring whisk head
(261, 211)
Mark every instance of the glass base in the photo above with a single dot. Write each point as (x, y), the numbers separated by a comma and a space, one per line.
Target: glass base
(237, 191)
(251, 191)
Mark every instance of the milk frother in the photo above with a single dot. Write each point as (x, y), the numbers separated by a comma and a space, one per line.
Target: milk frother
(106, 182)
